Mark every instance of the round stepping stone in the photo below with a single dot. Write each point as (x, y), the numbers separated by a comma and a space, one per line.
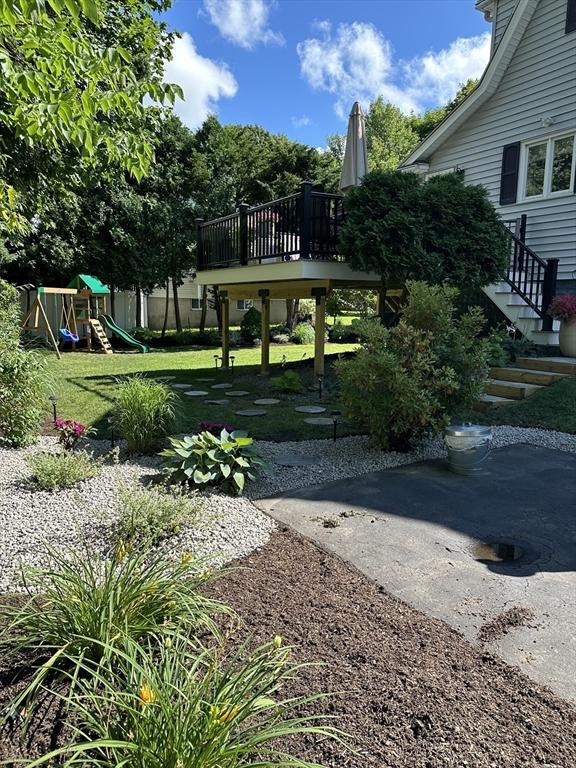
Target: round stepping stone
(266, 401)
(181, 386)
(251, 412)
(165, 378)
(216, 402)
(320, 421)
(206, 381)
(225, 385)
(295, 460)
(195, 393)
(237, 393)
(309, 409)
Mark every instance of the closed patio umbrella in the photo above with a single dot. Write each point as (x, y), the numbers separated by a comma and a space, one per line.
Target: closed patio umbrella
(355, 164)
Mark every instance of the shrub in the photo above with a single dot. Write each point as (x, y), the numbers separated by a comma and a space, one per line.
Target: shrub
(148, 515)
(289, 381)
(281, 338)
(215, 427)
(90, 610)
(303, 333)
(563, 307)
(407, 382)
(23, 386)
(146, 335)
(188, 337)
(344, 334)
(251, 325)
(53, 471)
(143, 413)
(224, 461)
(179, 708)
(281, 330)
(70, 432)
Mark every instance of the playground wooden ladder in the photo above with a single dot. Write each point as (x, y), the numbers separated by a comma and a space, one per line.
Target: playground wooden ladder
(101, 336)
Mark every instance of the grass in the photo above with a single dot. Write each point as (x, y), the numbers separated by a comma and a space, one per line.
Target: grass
(87, 383)
(552, 407)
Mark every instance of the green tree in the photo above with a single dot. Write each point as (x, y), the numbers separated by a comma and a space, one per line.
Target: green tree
(389, 134)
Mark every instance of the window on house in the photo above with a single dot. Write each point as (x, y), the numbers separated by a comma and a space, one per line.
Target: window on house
(549, 166)
(570, 16)
(196, 301)
(244, 304)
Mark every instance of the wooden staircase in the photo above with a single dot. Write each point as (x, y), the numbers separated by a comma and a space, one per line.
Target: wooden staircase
(100, 335)
(527, 376)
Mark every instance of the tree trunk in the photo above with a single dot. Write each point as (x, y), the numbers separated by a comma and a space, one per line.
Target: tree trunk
(292, 306)
(382, 301)
(113, 302)
(217, 307)
(166, 304)
(177, 317)
(138, 307)
(204, 305)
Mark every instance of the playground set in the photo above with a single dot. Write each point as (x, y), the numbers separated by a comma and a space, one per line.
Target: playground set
(82, 315)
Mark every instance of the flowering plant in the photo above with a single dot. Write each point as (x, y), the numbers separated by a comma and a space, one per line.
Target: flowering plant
(563, 307)
(215, 427)
(70, 432)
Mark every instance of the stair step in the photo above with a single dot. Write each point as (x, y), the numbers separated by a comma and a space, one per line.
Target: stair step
(526, 375)
(566, 365)
(514, 390)
(490, 401)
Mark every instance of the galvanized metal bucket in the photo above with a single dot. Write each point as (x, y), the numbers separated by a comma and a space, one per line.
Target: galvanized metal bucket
(468, 447)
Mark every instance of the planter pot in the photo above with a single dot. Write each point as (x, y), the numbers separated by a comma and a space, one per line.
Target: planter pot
(567, 337)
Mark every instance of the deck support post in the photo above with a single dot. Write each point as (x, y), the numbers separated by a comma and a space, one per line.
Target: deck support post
(320, 330)
(225, 304)
(265, 334)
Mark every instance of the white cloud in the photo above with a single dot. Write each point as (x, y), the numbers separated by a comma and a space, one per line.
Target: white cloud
(436, 77)
(299, 122)
(203, 81)
(243, 22)
(356, 63)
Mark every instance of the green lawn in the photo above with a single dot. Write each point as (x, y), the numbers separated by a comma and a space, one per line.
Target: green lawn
(552, 407)
(85, 384)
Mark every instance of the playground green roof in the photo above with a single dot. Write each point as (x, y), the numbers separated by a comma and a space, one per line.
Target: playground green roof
(82, 282)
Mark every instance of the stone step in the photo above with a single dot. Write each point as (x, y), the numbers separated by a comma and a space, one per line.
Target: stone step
(490, 401)
(565, 365)
(525, 375)
(514, 390)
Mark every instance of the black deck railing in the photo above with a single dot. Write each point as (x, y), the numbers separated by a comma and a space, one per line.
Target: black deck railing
(530, 276)
(305, 225)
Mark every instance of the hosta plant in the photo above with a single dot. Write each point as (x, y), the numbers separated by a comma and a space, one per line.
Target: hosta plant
(226, 460)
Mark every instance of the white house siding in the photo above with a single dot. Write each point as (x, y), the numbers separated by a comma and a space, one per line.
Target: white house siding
(503, 11)
(539, 82)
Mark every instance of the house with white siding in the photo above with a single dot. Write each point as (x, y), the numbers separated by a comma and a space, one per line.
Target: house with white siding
(515, 134)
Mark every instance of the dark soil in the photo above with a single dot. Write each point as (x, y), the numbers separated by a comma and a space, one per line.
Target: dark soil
(420, 696)
(517, 616)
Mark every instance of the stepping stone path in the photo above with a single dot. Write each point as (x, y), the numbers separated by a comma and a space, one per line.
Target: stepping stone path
(181, 386)
(295, 460)
(320, 421)
(237, 393)
(251, 412)
(162, 379)
(205, 380)
(266, 401)
(216, 402)
(309, 409)
(195, 393)
(225, 385)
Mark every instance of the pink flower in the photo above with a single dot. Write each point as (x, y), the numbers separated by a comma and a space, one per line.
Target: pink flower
(563, 307)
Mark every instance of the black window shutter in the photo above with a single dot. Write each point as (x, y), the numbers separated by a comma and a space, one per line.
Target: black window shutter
(571, 15)
(509, 174)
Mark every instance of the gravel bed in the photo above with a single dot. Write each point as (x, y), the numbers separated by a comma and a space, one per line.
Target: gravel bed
(357, 455)
(84, 516)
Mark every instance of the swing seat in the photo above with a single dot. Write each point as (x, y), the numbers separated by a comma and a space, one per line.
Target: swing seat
(67, 335)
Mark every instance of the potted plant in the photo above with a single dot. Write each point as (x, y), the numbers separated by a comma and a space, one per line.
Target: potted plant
(563, 308)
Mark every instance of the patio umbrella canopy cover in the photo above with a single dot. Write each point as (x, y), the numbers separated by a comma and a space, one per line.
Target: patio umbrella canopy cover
(355, 164)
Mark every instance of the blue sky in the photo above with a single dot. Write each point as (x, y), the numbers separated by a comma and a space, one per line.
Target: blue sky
(296, 66)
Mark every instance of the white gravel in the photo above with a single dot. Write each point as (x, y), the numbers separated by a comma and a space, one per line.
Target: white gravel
(84, 516)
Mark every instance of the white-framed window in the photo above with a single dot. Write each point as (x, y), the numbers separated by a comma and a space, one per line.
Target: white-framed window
(548, 167)
(196, 301)
(244, 304)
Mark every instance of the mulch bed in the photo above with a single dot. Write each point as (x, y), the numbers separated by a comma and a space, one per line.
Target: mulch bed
(420, 695)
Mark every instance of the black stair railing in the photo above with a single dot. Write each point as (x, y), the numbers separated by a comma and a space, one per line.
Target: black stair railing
(530, 276)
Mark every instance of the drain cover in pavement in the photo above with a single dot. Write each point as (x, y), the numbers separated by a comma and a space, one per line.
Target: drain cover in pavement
(225, 385)
(251, 412)
(195, 393)
(496, 552)
(320, 421)
(237, 393)
(216, 402)
(295, 460)
(266, 401)
(309, 409)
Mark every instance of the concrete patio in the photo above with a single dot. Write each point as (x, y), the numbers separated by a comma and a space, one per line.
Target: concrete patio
(413, 530)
